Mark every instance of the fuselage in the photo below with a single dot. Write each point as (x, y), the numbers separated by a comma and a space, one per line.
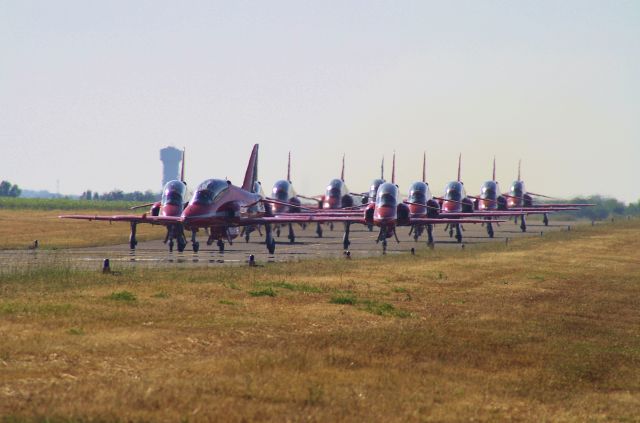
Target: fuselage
(217, 202)
(489, 194)
(283, 191)
(373, 190)
(419, 196)
(516, 195)
(454, 193)
(173, 199)
(336, 195)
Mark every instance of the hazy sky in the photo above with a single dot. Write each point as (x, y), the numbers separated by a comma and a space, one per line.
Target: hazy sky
(91, 90)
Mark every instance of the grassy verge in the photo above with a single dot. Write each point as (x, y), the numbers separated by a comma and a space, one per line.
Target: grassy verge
(544, 329)
(20, 227)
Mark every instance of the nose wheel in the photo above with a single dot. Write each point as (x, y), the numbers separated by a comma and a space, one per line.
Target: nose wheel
(458, 233)
(490, 230)
(523, 224)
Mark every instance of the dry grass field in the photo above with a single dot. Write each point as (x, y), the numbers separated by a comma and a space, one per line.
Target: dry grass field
(20, 227)
(544, 329)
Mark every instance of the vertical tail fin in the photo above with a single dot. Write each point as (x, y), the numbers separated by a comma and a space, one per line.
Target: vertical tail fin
(289, 168)
(459, 165)
(182, 165)
(424, 167)
(519, 162)
(494, 168)
(342, 173)
(251, 176)
(382, 169)
(393, 169)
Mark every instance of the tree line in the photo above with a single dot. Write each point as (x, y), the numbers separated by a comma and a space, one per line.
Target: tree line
(7, 189)
(119, 195)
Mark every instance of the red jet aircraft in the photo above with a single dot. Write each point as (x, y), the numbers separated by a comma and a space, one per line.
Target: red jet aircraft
(171, 205)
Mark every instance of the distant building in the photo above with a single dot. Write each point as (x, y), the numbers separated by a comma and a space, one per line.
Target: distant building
(170, 158)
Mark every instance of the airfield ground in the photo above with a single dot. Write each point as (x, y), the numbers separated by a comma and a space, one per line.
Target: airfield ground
(86, 244)
(542, 329)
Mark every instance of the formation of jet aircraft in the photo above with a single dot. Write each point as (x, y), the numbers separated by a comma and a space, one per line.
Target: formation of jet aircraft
(222, 210)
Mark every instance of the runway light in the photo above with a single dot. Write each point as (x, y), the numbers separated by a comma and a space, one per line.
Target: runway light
(106, 268)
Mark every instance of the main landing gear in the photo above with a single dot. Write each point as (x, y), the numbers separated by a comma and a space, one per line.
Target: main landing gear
(490, 229)
(195, 244)
(132, 238)
(269, 240)
(458, 230)
(345, 239)
(545, 219)
(319, 230)
(291, 236)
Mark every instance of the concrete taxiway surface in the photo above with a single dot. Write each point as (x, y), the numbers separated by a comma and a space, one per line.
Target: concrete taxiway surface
(307, 245)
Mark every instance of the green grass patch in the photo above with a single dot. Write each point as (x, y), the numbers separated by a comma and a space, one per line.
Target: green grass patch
(75, 331)
(267, 292)
(161, 294)
(63, 204)
(382, 309)
(343, 299)
(125, 296)
(36, 309)
(298, 287)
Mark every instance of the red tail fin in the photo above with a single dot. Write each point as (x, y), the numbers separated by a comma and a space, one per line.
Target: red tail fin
(519, 162)
(342, 173)
(182, 166)
(251, 176)
(424, 167)
(289, 168)
(459, 165)
(494, 168)
(393, 169)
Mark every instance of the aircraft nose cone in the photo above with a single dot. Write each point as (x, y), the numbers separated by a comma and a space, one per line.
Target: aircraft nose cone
(450, 206)
(331, 203)
(384, 214)
(279, 208)
(170, 210)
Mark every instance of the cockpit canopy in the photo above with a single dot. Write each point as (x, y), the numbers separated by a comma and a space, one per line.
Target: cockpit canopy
(281, 190)
(335, 188)
(517, 188)
(173, 193)
(419, 193)
(387, 195)
(373, 189)
(208, 191)
(454, 191)
(490, 190)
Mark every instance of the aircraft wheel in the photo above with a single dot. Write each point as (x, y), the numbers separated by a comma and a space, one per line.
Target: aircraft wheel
(246, 236)
(459, 238)
(181, 246)
(345, 244)
(220, 245)
(132, 244)
(292, 239)
(171, 246)
(278, 232)
(331, 226)
(196, 247)
(272, 247)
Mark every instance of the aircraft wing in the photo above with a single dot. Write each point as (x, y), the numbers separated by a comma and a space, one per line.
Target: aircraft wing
(444, 220)
(301, 218)
(154, 220)
(474, 213)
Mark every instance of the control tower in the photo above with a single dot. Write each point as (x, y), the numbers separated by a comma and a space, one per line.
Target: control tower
(170, 157)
